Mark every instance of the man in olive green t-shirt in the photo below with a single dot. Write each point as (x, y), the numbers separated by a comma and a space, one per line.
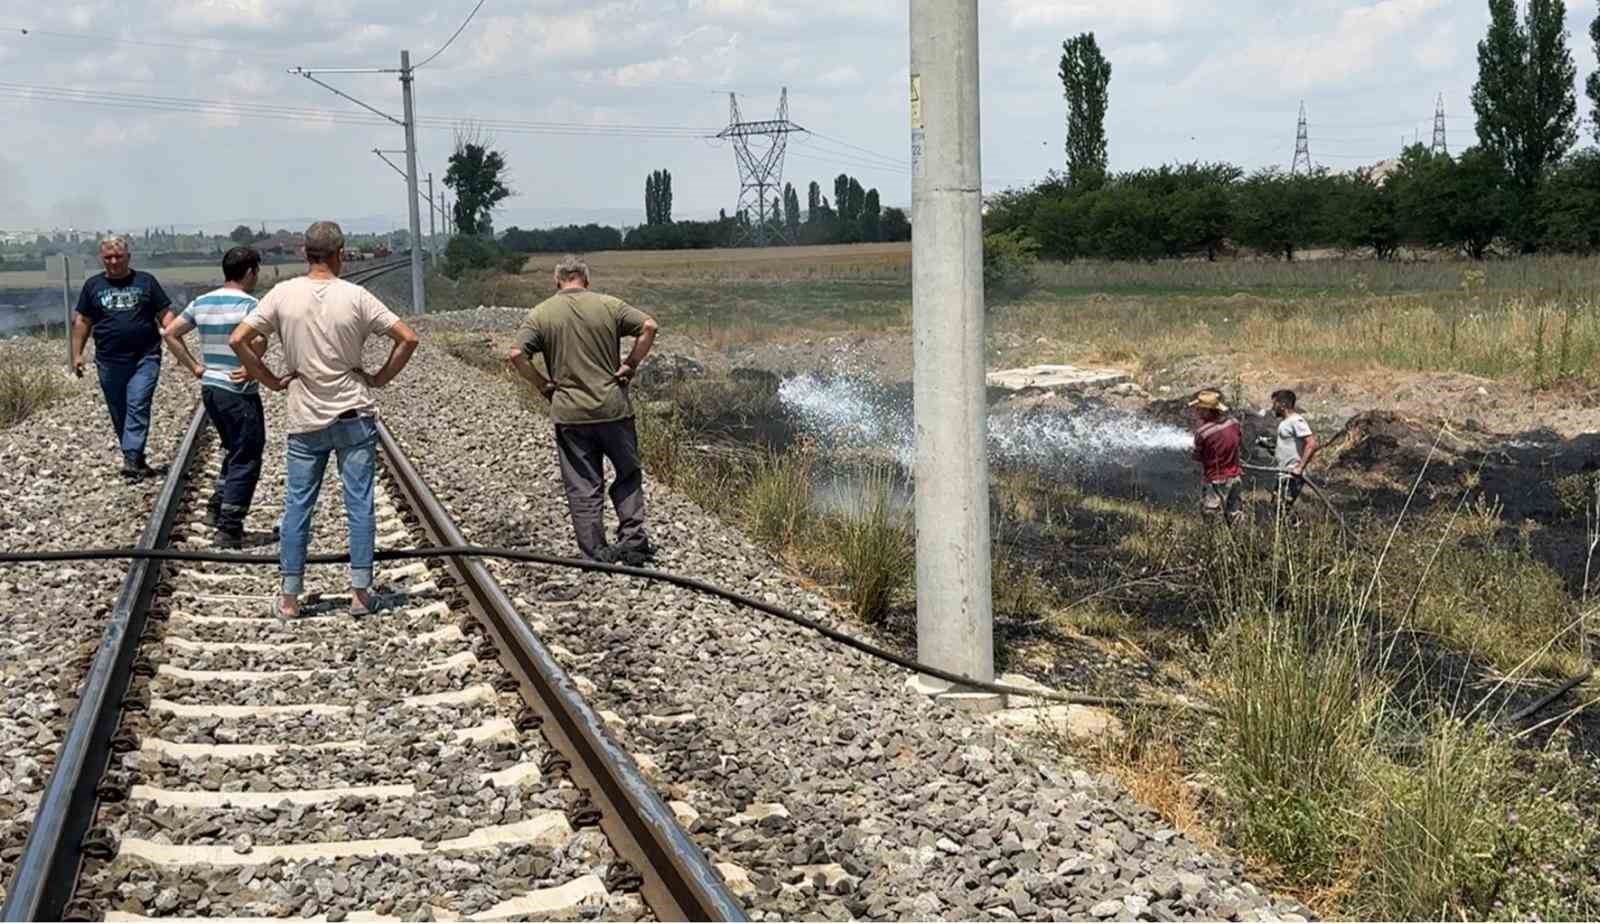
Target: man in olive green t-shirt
(580, 333)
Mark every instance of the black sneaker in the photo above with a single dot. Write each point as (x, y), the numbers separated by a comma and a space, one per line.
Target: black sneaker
(228, 539)
(634, 556)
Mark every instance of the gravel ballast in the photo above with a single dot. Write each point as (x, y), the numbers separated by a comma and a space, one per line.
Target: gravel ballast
(62, 490)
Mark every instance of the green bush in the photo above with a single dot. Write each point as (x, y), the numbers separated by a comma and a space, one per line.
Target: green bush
(1010, 260)
(468, 253)
(512, 264)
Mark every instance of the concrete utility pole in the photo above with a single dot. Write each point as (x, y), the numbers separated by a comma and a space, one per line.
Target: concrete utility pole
(67, 304)
(419, 295)
(955, 624)
(433, 208)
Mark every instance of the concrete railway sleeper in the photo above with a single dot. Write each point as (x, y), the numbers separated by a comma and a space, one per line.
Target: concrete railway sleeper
(225, 763)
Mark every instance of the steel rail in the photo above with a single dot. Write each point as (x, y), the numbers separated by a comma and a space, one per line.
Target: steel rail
(47, 869)
(679, 883)
(366, 274)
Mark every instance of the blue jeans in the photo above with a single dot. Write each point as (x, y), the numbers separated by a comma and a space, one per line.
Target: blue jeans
(355, 443)
(129, 386)
(242, 430)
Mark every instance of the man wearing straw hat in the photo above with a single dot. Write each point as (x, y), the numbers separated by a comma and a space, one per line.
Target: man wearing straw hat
(1216, 447)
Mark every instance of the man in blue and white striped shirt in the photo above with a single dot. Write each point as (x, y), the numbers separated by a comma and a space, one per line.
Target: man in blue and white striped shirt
(230, 397)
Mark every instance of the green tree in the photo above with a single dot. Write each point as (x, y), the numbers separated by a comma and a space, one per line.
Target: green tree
(1086, 80)
(1569, 205)
(841, 197)
(1524, 99)
(896, 226)
(1592, 85)
(791, 210)
(872, 217)
(813, 202)
(478, 176)
(664, 191)
(652, 199)
(242, 235)
(1280, 214)
(1465, 203)
(1361, 213)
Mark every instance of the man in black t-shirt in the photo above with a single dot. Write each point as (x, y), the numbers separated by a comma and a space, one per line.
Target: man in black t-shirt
(126, 311)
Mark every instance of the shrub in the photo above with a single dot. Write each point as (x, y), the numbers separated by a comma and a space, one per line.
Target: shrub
(876, 551)
(778, 502)
(1010, 260)
(25, 388)
(512, 264)
(468, 253)
(1432, 853)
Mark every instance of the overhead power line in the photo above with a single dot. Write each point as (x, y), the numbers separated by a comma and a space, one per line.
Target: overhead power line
(248, 109)
(452, 37)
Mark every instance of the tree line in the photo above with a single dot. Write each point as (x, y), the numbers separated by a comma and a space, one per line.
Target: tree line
(855, 214)
(1522, 188)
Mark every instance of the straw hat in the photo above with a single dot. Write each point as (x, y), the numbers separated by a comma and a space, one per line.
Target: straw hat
(1209, 401)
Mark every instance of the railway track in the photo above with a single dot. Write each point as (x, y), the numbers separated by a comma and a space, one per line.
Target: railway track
(430, 759)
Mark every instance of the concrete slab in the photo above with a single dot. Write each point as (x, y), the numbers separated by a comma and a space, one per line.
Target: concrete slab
(1055, 378)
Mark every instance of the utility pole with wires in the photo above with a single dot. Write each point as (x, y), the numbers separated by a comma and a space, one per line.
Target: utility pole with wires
(433, 234)
(1302, 146)
(419, 295)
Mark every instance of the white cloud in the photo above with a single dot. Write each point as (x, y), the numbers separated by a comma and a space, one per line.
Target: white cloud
(1359, 46)
(1092, 14)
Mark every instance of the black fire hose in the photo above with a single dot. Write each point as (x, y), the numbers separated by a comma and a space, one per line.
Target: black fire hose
(1315, 489)
(539, 558)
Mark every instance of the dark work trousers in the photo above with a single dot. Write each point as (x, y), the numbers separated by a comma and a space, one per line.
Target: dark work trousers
(582, 449)
(242, 431)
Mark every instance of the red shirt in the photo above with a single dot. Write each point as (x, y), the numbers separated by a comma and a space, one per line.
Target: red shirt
(1216, 448)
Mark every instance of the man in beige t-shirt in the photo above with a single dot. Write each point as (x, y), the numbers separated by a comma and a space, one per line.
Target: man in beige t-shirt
(580, 333)
(323, 324)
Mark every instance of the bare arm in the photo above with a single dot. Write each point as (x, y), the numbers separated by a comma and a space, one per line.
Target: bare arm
(80, 339)
(526, 370)
(405, 344)
(241, 342)
(1313, 445)
(173, 333)
(641, 349)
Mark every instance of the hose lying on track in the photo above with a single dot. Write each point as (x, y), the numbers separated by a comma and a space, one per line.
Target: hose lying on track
(519, 555)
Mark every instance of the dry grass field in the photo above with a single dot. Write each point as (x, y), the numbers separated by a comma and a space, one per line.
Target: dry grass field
(841, 261)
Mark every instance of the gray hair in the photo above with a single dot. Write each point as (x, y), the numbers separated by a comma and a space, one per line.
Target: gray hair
(570, 268)
(114, 242)
(324, 241)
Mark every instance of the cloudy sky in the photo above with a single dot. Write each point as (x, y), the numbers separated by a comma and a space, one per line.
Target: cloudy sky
(181, 112)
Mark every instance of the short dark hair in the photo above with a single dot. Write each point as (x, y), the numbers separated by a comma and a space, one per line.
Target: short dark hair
(1284, 397)
(238, 262)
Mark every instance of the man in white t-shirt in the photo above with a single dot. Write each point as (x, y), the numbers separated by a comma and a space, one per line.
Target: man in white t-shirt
(1297, 445)
(323, 323)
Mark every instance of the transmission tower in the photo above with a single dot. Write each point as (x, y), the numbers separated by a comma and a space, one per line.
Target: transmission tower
(758, 147)
(1440, 144)
(1302, 146)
